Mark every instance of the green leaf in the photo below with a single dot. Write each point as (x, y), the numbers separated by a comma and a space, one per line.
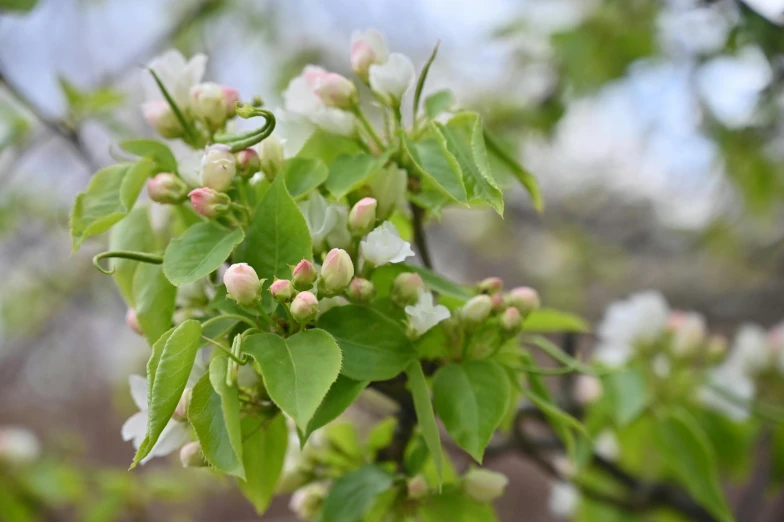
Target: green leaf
(439, 102)
(432, 160)
(303, 175)
(687, 450)
(425, 415)
(455, 506)
(133, 233)
(298, 371)
(340, 396)
(471, 398)
(154, 150)
(326, 147)
(154, 296)
(549, 320)
(375, 347)
(18, 5)
(628, 394)
(109, 197)
(167, 374)
(348, 173)
(525, 178)
(263, 454)
(464, 140)
(278, 236)
(199, 251)
(206, 415)
(352, 494)
(422, 79)
(83, 104)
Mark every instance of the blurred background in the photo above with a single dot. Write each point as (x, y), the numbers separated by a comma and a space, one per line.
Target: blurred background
(655, 127)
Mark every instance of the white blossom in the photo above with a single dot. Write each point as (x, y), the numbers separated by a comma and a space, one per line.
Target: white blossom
(424, 315)
(607, 446)
(326, 221)
(384, 245)
(303, 105)
(176, 74)
(18, 445)
(773, 10)
(727, 390)
(392, 79)
(750, 352)
(563, 501)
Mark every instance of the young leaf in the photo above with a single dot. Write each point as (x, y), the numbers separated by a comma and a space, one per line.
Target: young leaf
(199, 251)
(425, 415)
(229, 405)
(303, 175)
(422, 79)
(109, 197)
(348, 173)
(167, 374)
(523, 176)
(297, 371)
(549, 320)
(134, 233)
(278, 237)
(628, 394)
(687, 449)
(263, 453)
(340, 396)
(326, 147)
(432, 160)
(455, 506)
(154, 296)
(471, 398)
(153, 150)
(352, 494)
(375, 347)
(439, 102)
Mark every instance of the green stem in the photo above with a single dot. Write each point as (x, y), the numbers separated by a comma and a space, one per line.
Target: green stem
(224, 349)
(177, 113)
(142, 257)
(368, 127)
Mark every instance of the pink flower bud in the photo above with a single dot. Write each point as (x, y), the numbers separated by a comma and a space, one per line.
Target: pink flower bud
(247, 163)
(476, 310)
(282, 290)
(491, 285)
(230, 97)
(511, 320)
(167, 188)
(336, 271)
(181, 412)
(192, 456)
(417, 487)
(360, 290)
(688, 332)
(242, 283)
(304, 275)
(362, 217)
(587, 389)
(304, 307)
(335, 90)
(367, 48)
(213, 103)
(161, 117)
(498, 302)
(208, 202)
(218, 167)
(484, 485)
(523, 298)
(406, 288)
(132, 321)
(271, 157)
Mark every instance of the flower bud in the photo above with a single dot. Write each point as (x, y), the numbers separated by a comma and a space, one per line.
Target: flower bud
(18, 445)
(304, 307)
(524, 298)
(336, 91)
(208, 202)
(360, 290)
(367, 48)
(511, 320)
(132, 321)
(362, 217)
(304, 275)
(498, 302)
(247, 163)
(282, 290)
(417, 487)
(476, 310)
(336, 271)
(218, 167)
(391, 80)
(406, 288)
(242, 283)
(167, 188)
(181, 412)
(491, 285)
(587, 389)
(192, 456)
(484, 485)
(213, 103)
(306, 501)
(161, 117)
(271, 157)
(688, 332)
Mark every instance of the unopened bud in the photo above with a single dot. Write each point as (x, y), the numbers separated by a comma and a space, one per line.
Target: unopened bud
(417, 487)
(587, 389)
(360, 290)
(132, 321)
(161, 117)
(688, 332)
(247, 163)
(218, 167)
(282, 290)
(192, 456)
(304, 275)
(242, 283)
(208, 202)
(304, 307)
(213, 103)
(362, 217)
(498, 302)
(476, 310)
(406, 288)
(335, 90)
(491, 285)
(336, 271)
(271, 157)
(484, 485)
(367, 48)
(181, 412)
(167, 188)
(523, 298)
(511, 320)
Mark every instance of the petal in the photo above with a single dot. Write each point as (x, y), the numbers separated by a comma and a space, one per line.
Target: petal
(173, 436)
(135, 428)
(403, 252)
(138, 386)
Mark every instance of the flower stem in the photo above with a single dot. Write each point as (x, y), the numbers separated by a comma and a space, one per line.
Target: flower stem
(368, 128)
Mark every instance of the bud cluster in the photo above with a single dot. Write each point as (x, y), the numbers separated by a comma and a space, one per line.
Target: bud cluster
(511, 308)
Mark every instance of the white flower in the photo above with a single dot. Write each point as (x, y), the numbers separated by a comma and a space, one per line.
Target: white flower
(177, 75)
(750, 352)
(188, 162)
(563, 501)
(392, 79)
(424, 315)
(307, 500)
(607, 446)
(727, 390)
(383, 245)
(326, 221)
(640, 318)
(18, 445)
(389, 188)
(773, 10)
(326, 304)
(300, 99)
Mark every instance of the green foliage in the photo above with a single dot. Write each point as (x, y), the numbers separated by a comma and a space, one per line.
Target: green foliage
(153, 150)
(425, 415)
(264, 444)
(340, 396)
(134, 233)
(83, 104)
(352, 494)
(439, 102)
(628, 394)
(199, 252)
(303, 175)
(348, 173)
(432, 160)
(549, 320)
(455, 506)
(153, 297)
